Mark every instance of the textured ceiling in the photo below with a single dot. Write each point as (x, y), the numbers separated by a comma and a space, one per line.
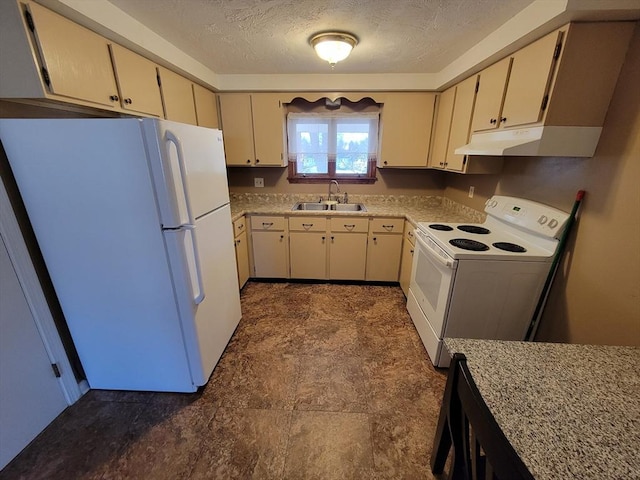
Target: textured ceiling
(271, 36)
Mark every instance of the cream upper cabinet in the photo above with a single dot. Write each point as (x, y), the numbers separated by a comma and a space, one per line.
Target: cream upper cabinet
(566, 78)
(443, 127)
(206, 107)
(137, 82)
(405, 135)
(529, 81)
(253, 129)
(177, 97)
(493, 81)
(76, 62)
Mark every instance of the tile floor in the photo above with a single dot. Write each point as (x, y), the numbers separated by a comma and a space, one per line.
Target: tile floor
(319, 381)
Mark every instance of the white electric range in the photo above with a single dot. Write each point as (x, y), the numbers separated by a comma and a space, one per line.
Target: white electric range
(482, 280)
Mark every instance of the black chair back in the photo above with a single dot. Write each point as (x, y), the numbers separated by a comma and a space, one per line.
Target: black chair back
(480, 449)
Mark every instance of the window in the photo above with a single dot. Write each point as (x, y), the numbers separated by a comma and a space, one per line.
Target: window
(324, 146)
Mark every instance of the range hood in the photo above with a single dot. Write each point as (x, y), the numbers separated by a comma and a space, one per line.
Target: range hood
(535, 142)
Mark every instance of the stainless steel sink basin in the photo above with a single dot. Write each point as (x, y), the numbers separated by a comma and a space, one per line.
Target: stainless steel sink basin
(349, 207)
(339, 207)
(310, 206)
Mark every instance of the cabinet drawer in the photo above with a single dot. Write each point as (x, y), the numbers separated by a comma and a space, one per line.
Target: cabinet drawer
(239, 226)
(349, 224)
(408, 233)
(308, 224)
(267, 223)
(387, 225)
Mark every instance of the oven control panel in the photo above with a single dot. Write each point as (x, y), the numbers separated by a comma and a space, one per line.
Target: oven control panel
(533, 216)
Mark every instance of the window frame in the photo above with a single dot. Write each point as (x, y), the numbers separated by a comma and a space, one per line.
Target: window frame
(349, 178)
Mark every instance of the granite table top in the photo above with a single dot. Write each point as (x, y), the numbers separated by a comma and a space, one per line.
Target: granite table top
(414, 208)
(570, 411)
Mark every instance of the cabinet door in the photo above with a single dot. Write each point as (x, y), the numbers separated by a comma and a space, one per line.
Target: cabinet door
(206, 107)
(347, 256)
(76, 59)
(529, 81)
(308, 254)
(177, 96)
(405, 266)
(137, 82)
(237, 128)
(383, 257)
(406, 129)
(461, 123)
(242, 258)
(493, 81)
(268, 129)
(270, 254)
(443, 127)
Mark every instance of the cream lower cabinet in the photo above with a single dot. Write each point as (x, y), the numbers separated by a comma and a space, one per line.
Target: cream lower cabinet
(348, 248)
(406, 261)
(384, 249)
(242, 250)
(308, 247)
(269, 244)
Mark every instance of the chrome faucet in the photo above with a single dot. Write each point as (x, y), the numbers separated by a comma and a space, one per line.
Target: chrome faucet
(337, 188)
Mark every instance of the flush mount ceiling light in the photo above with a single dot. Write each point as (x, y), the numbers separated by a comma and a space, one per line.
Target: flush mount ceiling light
(333, 46)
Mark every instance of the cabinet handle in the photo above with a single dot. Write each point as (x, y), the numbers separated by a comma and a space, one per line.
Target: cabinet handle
(332, 238)
(411, 251)
(267, 224)
(128, 101)
(238, 242)
(114, 98)
(493, 121)
(257, 160)
(349, 227)
(442, 164)
(307, 225)
(388, 228)
(385, 162)
(241, 226)
(281, 237)
(248, 161)
(503, 119)
(375, 239)
(323, 238)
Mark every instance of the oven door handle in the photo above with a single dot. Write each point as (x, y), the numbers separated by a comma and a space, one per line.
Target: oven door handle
(433, 253)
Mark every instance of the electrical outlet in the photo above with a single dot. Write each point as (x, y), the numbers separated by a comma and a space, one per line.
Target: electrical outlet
(471, 190)
(258, 182)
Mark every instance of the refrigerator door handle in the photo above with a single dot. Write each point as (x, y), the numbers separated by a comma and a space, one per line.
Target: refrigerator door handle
(196, 266)
(170, 137)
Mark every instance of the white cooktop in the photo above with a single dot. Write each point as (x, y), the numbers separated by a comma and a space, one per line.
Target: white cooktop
(532, 226)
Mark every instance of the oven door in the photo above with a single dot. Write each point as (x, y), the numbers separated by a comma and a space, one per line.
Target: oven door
(431, 280)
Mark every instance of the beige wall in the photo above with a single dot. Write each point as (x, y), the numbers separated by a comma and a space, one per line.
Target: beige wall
(390, 182)
(596, 294)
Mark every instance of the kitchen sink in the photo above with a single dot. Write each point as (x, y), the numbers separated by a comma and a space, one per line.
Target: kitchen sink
(338, 207)
(310, 206)
(349, 207)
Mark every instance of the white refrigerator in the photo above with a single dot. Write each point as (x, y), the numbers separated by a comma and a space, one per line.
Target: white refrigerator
(133, 220)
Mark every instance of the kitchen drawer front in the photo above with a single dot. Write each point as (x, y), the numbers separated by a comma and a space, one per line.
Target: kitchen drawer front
(239, 226)
(308, 224)
(264, 222)
(387, 225)
(349, 224)
(408, 232)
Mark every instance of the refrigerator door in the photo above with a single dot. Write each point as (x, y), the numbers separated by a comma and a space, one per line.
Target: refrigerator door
(188, 166)
(207, 323)
(89, 196)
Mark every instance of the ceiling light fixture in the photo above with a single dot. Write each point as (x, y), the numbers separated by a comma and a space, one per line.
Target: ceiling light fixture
(333, 46)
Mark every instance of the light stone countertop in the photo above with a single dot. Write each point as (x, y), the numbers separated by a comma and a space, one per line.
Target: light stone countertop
(570, 411)
(413, 208)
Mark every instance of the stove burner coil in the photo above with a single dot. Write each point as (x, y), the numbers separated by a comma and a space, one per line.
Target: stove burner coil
(474, 229)
(467, 244)
(439, 226)
(510, 247)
